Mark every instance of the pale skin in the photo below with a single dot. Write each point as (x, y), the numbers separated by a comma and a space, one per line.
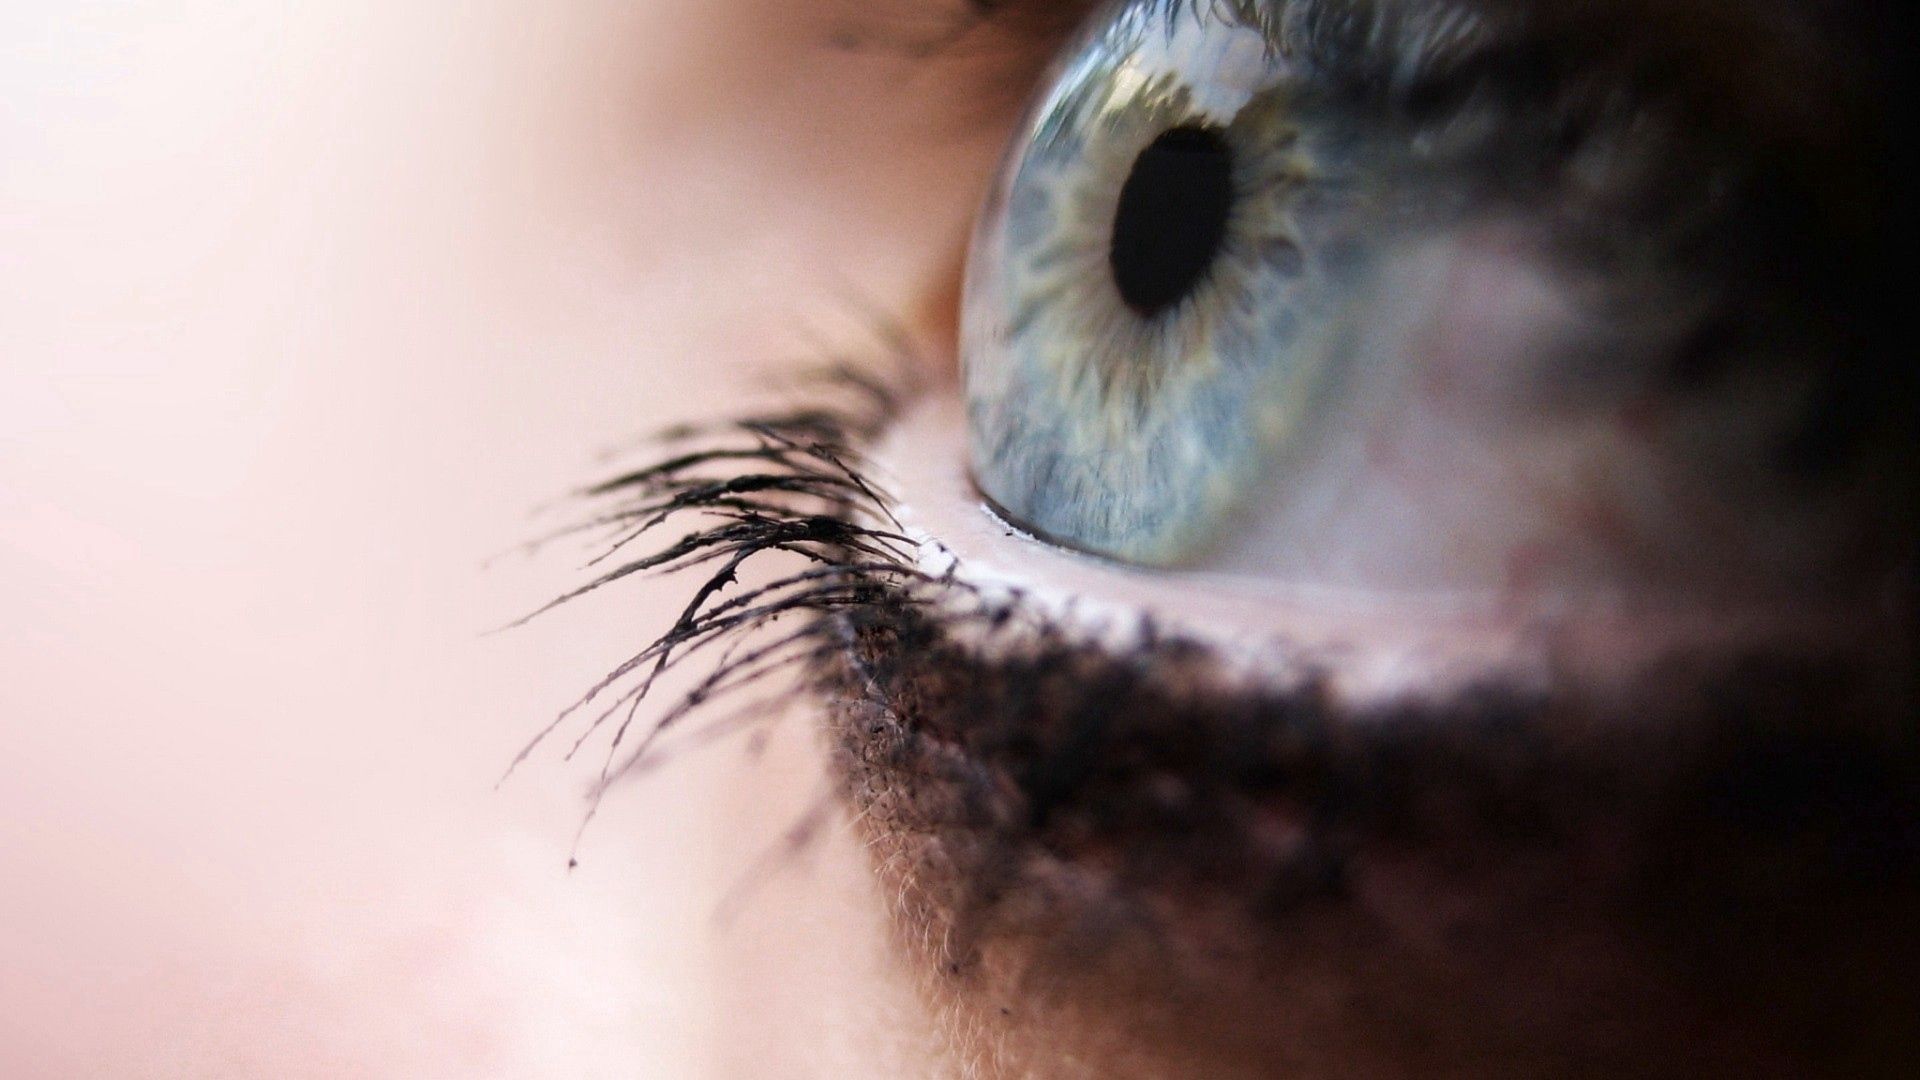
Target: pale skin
(303, 314)
(304, 310)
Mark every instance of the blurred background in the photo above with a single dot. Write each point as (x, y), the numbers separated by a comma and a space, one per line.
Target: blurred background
(303, 309)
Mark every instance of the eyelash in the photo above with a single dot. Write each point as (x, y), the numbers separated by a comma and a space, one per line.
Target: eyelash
(1018, 783)
(1070, 775)
(786, 482)
(793, 482)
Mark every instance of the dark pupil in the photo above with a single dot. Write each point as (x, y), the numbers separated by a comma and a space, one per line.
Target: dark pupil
(1172, 217)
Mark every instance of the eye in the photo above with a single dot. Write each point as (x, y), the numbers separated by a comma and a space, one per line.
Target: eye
(1416, 577)
(1330, 295)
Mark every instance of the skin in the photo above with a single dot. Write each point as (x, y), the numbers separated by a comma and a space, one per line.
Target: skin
(303, 311)
(296, 358)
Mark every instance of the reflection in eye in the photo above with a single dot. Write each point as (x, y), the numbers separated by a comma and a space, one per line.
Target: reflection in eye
(1509, 299)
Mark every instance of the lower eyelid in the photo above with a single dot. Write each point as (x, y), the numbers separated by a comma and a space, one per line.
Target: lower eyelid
(1372, 645)
(1076, 813)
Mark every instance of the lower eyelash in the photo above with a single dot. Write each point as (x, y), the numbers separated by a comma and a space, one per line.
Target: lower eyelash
(1031, 783)
(786, 482)
(1051, 816)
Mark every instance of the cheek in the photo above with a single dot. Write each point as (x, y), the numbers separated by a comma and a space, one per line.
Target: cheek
(802, 948)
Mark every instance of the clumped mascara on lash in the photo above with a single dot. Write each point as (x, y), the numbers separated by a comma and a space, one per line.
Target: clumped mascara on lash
(782, 483)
